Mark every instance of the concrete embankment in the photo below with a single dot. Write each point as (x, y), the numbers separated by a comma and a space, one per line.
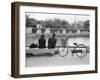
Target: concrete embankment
(62, 35)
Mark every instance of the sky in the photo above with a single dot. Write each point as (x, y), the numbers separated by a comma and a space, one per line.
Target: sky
(68, 17)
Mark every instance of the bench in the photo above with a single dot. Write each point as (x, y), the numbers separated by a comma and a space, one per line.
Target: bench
(37, 51)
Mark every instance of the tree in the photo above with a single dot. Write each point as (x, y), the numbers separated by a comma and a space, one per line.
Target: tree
(27, 20)
(87, 24)
(30, 22)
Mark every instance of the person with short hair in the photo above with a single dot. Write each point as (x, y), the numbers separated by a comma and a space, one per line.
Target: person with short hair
(52, 42)
(42, 42)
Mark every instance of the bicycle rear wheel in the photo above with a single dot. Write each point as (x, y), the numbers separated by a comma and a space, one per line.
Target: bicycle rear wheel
(63, 52)
(81, 51)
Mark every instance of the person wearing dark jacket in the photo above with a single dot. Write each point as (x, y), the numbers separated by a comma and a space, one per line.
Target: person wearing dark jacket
(42, 42)
(52, 42)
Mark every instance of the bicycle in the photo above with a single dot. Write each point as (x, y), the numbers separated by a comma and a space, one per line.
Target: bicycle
(79, 49)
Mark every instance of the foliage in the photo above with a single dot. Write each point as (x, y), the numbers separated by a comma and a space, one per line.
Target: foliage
(56, 23)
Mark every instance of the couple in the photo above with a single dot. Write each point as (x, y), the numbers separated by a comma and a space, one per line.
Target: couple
(51, 42)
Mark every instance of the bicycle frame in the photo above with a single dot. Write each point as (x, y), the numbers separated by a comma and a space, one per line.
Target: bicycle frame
(74, 50)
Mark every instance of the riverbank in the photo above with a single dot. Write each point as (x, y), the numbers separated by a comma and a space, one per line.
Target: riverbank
(61, 35)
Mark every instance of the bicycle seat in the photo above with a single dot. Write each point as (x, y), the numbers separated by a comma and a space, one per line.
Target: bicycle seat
(75, 43)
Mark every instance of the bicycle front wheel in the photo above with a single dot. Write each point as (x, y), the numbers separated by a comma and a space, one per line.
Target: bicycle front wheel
(63, 52)
(81, 51)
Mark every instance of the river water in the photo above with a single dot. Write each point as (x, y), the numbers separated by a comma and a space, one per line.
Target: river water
(71, 40)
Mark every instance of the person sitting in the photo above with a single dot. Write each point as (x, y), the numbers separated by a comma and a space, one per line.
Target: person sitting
(52, 42)
(42, 42)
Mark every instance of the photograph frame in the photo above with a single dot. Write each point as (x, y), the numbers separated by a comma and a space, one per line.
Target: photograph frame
(15, 39)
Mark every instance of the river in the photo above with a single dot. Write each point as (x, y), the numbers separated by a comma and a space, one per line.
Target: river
(71, 40)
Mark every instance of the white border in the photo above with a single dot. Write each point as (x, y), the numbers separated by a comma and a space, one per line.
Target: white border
(24, 70)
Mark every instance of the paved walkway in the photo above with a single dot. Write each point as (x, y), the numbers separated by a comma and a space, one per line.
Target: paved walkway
(56, 60)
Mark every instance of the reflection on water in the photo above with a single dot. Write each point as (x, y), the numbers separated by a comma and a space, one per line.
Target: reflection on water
(71, 40)
(79, 40)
